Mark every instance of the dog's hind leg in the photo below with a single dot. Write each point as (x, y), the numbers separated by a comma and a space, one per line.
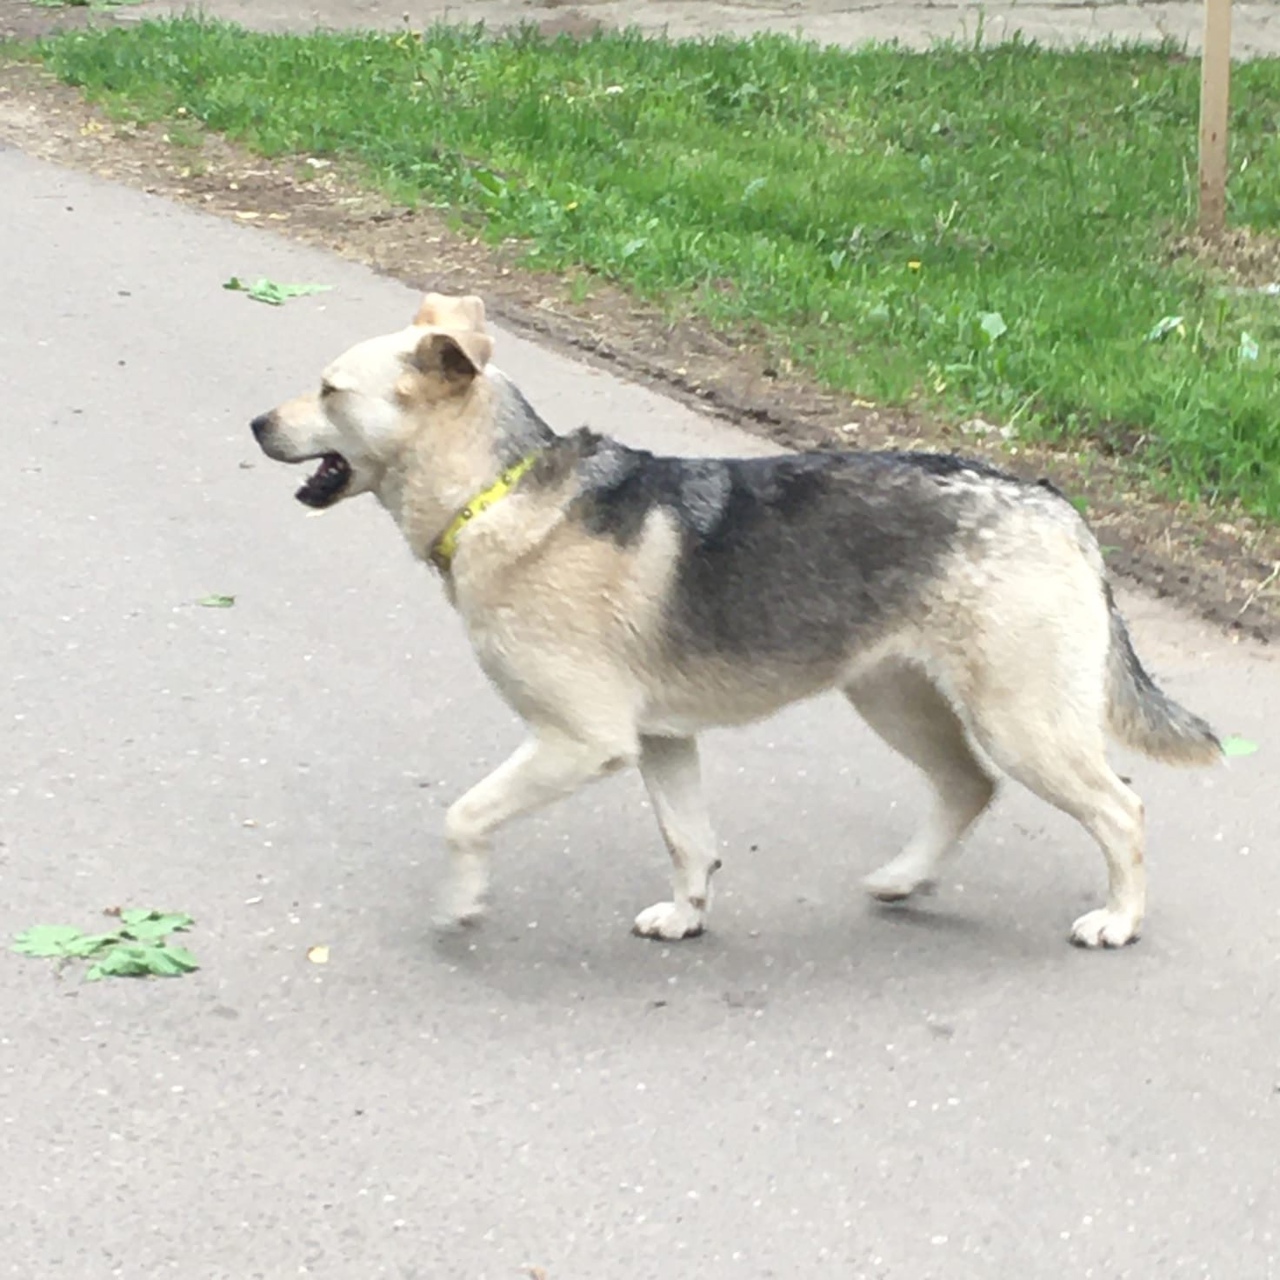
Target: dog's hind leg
(670, 770)
(905, 707)
(1062, 758)
(548, 766)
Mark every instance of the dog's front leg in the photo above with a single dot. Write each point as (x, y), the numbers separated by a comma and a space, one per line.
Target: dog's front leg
(547, 766)
(670, 770)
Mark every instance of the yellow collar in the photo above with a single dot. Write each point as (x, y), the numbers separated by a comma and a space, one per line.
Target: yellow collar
(445, 546)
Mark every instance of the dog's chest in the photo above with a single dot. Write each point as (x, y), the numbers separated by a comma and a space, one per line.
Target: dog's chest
(521, 653)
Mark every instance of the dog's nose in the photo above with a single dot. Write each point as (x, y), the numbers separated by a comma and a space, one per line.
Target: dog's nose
(261, 425)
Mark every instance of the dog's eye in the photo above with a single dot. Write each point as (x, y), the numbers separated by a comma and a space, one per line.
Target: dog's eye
(327, 389)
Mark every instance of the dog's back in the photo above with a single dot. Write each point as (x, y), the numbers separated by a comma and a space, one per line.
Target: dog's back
(809, 558)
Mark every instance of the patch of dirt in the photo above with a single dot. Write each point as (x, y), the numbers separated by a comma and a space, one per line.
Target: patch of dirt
(570, 22)
(20, 20)
(1223, 564)
(1248, 259)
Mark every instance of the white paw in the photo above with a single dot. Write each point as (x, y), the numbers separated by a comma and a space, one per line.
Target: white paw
(896, 881)
(1103, 928)
(463, 899)
(670, 920)
(450, 918)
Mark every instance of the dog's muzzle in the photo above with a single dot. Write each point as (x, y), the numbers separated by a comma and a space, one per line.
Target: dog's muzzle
(326, 485)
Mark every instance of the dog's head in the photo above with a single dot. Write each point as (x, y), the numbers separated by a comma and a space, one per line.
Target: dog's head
(360, 419)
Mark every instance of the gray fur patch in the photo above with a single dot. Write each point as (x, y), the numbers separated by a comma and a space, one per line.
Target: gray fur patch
(704, 491)
(518, 429)
(795, 559)
(606, 467)
(810, 554)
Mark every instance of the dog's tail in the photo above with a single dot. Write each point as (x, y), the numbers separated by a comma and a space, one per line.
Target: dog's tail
(1141, 716)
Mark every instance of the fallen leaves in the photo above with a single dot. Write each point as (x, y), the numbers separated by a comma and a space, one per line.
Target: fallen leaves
(138, 947)
(268, 291)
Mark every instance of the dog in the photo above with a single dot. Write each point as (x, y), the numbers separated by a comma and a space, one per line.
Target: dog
(622, 602)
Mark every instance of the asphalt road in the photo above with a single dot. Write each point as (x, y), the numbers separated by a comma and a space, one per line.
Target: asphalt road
(815, 1088)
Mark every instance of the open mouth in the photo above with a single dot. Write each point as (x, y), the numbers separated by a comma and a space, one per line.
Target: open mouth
(327, 483)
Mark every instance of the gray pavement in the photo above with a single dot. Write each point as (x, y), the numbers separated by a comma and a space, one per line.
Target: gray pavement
(816, 1088)
(917, 23)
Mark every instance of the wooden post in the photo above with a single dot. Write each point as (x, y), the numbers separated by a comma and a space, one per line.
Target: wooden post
(1215, 92)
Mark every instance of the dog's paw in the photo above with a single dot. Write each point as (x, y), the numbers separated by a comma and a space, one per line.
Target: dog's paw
(463, 901)
(449, 919)
(670, 920)
(1103, 928)
(896, 881)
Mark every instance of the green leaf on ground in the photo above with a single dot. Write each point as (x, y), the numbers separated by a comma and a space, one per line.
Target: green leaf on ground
(137, 949)
(152, 926)
(143, 960)
(993, 324)
(183, 958)
(91, 943)
(130, 960)
(273, 294)
(47, 940)
(170, 920)
(1234, 746)
(216, 602)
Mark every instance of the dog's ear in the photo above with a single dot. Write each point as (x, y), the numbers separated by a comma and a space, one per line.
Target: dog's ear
(438, 311)
(456, 357)
(472, 310)
(429, 311)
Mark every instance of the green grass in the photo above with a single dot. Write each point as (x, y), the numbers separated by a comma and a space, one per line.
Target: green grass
(978, 229)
